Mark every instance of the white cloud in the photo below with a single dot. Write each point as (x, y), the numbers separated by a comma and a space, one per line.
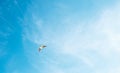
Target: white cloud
(109, 70)
(103, 36)
(95, 44)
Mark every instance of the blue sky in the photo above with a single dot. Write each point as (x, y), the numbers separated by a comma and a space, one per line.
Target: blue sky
(82, 36)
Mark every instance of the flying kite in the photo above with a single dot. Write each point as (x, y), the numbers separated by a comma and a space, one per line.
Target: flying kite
(41, 47)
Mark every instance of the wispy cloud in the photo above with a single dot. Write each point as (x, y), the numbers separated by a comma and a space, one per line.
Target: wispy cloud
(93, 43)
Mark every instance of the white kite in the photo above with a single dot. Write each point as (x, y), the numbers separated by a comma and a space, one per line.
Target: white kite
(41, 47)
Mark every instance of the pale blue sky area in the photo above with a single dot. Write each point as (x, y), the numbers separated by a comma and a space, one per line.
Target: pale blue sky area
(82, 36)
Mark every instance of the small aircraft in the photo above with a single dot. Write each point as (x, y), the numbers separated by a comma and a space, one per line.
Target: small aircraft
(41, 47)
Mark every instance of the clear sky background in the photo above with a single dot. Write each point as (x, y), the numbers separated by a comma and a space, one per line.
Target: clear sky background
(82, 36)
